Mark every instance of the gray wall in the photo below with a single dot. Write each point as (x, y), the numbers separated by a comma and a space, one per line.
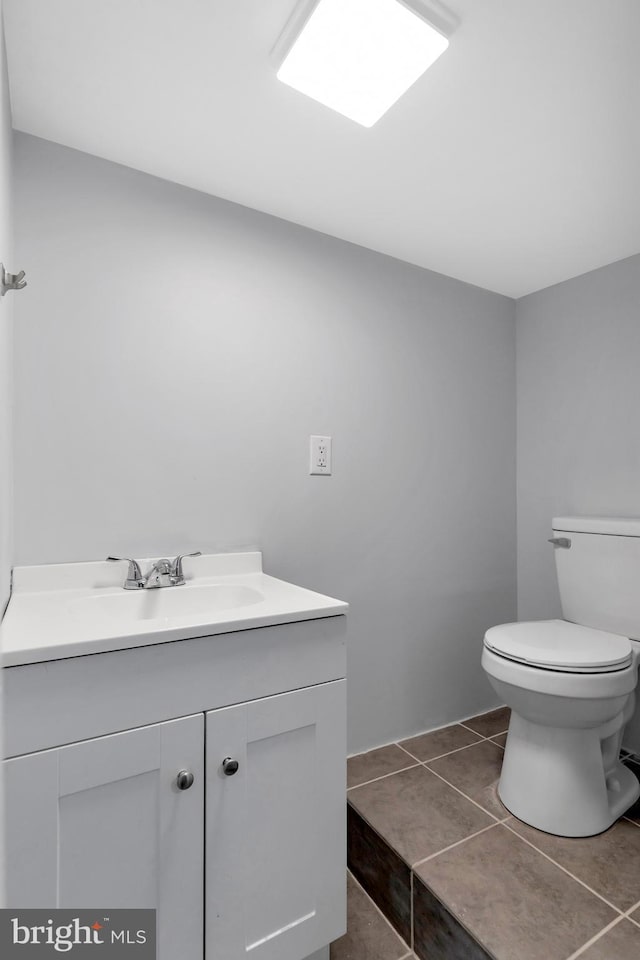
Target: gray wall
(174, 354)
(6, 306)
(578, 417)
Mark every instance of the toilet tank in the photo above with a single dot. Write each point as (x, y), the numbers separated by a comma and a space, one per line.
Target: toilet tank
(599, 574)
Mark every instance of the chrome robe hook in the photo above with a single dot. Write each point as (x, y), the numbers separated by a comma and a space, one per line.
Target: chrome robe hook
(11, 281)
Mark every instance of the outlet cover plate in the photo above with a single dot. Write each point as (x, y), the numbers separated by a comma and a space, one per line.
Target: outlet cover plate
(320, 456)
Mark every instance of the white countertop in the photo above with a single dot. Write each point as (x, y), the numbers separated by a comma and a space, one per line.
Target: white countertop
(74, 609)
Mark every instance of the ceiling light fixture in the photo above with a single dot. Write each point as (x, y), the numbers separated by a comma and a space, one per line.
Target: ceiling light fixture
(359, 56)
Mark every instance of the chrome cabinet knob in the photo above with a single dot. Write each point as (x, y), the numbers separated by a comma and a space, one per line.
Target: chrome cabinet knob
(229, 766)
(184, 780)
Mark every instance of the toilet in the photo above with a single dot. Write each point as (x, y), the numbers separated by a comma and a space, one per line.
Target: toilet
(571, 684)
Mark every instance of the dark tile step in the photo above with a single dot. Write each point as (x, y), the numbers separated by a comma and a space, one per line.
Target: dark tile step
(386, 878)
(380, 871)
(438, 935)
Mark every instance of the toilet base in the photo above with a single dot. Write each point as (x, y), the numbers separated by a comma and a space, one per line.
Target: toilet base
(566, 782)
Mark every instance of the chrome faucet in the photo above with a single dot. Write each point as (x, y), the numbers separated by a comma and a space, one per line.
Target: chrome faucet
(163, 573)
(159, 576)
(134, 575)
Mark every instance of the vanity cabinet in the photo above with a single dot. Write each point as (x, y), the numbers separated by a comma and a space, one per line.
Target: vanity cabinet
(102, 823)
(275, 829)
(243, 862)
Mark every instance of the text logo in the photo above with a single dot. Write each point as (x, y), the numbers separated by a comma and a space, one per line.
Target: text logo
(97, 933)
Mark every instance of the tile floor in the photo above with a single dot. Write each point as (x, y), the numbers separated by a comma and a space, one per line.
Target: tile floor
(441, 871)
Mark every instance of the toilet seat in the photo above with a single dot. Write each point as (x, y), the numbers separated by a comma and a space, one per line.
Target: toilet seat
(560, 646)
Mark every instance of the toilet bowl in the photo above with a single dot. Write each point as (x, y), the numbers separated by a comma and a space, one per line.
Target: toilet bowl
(561, 770)
(571, 686)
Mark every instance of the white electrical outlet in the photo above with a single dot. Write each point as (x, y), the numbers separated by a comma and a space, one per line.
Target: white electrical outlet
(320, 456)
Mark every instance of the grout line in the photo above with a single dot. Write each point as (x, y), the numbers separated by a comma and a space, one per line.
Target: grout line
(408, 752)
(635, 824)
(398, 743)
(461, 724)
(378, 910)
(417, 760)
(452, 846)
(589, 943)
(564, 869)
(448, 754)
(481, 735)
(467, 746)
(382, 746)
(462, 794)
(632, 910)
(384, 776)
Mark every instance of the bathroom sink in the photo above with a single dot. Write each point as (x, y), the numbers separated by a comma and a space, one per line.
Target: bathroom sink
(167, 603)
(74, 609)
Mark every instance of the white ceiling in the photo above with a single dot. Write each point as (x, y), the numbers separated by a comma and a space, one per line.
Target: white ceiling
(513, 163)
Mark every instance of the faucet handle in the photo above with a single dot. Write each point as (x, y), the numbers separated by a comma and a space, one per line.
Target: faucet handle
(134, 574)
(176, 566)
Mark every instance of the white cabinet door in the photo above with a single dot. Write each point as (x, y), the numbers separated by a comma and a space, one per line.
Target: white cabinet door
(102, 823)
(275, 830)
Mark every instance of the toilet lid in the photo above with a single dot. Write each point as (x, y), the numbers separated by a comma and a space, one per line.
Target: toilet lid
(560, 645)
